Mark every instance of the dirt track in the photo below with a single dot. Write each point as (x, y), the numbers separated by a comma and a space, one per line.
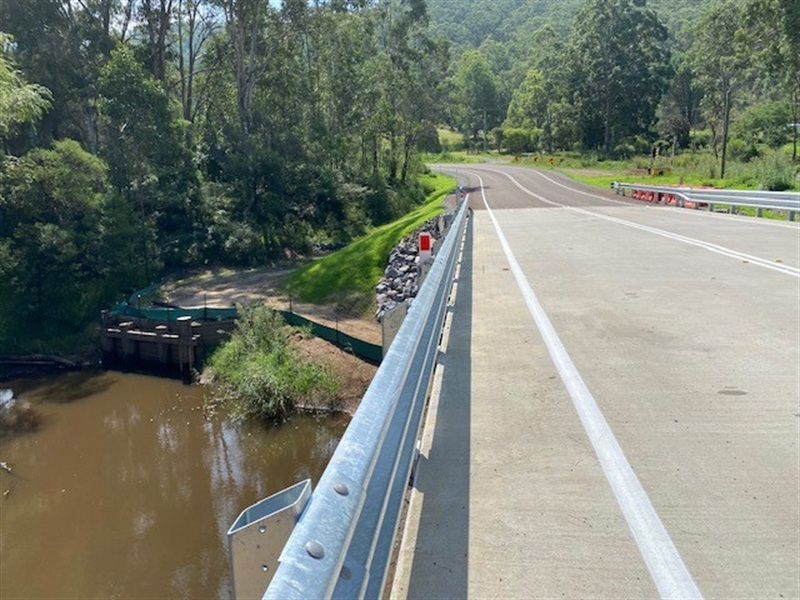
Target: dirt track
(226, 288)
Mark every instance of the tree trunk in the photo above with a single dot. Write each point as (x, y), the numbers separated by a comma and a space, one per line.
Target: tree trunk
(795, 119)
(548, 128)
(92, 136)
(157, 21)
(375, 157)
(407, 146)
(607, 131)
(726, 114)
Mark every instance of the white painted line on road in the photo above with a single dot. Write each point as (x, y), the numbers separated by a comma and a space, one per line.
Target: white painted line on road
(755, 260)
(747, 220)
(687, 213)
(666, 567)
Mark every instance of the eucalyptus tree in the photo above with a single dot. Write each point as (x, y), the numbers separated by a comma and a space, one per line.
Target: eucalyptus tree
(415, 66)
(52, 236)
(477, 95)
(21, 102)
(253, 31)
(773, 36)
(720, 62)
(679, 111)
(156, 16)
(541, 103)
(143, 141)
(527, 114)
(619, 68)
(195, 23)
(60, 45)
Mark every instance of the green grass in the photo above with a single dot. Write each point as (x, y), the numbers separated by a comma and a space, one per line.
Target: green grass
(448, 137)
(604, 181)
(349, 275)
(698, 169)
(451, 157)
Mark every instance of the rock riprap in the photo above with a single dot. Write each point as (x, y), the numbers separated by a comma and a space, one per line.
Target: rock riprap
(400, 279)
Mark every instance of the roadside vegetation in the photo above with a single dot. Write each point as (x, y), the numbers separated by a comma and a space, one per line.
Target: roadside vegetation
(348, 276)
(260, 374)
(140, 139)
(765, 168)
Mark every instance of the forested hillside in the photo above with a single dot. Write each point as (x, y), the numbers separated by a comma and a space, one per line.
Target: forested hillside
(469, 23)
(141, 136)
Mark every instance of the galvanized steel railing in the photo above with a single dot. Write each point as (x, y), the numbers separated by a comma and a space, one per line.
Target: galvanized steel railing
(343, 542)
(783, 201)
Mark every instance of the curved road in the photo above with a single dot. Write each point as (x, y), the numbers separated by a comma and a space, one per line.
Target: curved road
(616, 412)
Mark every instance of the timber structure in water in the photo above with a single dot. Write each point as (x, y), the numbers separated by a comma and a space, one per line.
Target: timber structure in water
(175, 347)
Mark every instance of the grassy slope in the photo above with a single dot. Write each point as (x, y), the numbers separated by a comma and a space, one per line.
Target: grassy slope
(350, 274)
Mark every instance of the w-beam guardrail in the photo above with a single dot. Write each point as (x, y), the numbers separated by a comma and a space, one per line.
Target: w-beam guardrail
(342, 545)
(788, 202)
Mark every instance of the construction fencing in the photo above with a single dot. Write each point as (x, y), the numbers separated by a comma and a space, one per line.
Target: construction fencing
(372, 353)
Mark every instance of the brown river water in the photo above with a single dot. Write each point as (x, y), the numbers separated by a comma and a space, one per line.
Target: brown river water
(127, 489)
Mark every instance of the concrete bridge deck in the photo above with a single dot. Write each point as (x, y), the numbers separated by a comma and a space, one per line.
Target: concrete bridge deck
(616, 412)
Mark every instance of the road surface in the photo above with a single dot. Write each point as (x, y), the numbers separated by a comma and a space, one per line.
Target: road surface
(616, 412)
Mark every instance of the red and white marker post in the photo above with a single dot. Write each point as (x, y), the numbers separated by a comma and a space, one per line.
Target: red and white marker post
(425, 246)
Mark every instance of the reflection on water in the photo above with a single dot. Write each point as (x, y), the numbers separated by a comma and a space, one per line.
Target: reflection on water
(127, 490)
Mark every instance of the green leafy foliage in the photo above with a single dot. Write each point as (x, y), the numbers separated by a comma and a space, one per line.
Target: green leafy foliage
(227, 131)
(478, 95)
(618, 69)
(20, 102)
(54, 228)
(261, 375)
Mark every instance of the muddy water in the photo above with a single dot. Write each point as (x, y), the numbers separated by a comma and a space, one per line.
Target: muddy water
(127, 489)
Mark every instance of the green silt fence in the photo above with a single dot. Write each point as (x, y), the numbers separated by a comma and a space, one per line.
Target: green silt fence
(364, 350)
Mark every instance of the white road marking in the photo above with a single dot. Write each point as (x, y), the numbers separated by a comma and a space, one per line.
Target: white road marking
(666, 567)
(754, 260)
(687, 213)
(703, 213)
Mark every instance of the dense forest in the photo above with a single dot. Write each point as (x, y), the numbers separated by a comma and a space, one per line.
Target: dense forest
(139, 137)
(620, 76)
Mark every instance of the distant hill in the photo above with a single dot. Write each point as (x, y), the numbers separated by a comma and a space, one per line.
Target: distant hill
(469, 22)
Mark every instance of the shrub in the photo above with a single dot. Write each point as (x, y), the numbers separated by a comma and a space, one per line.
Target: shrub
(624, 150)
(262, 376)
(517, 139)
(775, 172)
(700, 139)
(740, 150)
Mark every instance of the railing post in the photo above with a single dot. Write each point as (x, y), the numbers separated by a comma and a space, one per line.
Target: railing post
(257, 537)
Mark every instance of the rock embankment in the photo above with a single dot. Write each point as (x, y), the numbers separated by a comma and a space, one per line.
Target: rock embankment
(400, 279)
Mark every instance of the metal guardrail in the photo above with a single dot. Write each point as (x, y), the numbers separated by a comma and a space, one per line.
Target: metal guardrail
(784, 201)
(342, 544)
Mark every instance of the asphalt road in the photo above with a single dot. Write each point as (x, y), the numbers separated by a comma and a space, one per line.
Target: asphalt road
(616, 412)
